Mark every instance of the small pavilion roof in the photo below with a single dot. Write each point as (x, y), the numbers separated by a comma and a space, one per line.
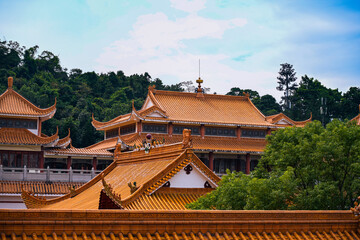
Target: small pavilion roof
(12, 104)
(281, 119)
(22, 136)
(150, 171)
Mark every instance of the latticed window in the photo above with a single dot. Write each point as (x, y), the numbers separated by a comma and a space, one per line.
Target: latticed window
(155, 128)
(112, 133)
(127, 129)
(18, 123)
(215, 131)
(177, 129)
(253, 133)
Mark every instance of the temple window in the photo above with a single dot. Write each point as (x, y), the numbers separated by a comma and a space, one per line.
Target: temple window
(155, 128)
(18, 123)
(177, 129)
(216, 131)
(127, 129)
(112, 133)
(253, 133)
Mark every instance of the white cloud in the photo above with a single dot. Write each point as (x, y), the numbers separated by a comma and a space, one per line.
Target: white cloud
(190, 6)
(156, 45)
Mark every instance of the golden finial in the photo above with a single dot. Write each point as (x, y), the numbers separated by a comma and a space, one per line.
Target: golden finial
(10, 82)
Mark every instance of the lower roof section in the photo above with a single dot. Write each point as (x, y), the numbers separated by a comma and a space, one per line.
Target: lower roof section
(208, 143)
(178, 225)
(54, 188)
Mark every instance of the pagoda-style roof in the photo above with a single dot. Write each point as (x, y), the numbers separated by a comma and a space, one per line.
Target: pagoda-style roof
(22, 136)
(12, 104)
(281, 119)
(134, 180)
(189, 108)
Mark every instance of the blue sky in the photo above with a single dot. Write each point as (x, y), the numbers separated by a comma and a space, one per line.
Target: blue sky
(240, 43)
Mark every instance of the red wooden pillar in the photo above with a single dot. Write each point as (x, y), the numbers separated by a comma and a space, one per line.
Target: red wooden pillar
(94, 163)
(211, 161)
(268, 132)
(247, 164)
(138, 127)
(41, 158)
(170, 129)
(39, 127)
(68, 162)
(202, 131)
(238, 132)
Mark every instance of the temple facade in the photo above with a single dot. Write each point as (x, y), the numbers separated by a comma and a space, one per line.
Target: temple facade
(23, 144)
(228, 131)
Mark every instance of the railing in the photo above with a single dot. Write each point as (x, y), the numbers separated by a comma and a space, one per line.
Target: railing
(46, 175)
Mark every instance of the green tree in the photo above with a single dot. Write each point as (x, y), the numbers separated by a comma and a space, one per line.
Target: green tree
(286, 81)
(302, 168)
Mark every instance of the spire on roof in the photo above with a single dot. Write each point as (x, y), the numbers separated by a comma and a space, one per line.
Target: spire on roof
(10, 82)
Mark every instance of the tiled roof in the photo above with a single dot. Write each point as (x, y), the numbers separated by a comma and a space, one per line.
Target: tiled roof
(72, 151)
(22, 136)
(168, 199)
(14, 187)
(149, 171)
(13, 104)
(109, 143)
(217, 109)
(178, 225)
(64, 142)
(274, 119)
(226, 144)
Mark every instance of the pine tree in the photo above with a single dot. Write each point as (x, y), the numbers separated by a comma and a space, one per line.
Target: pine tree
(286, 83)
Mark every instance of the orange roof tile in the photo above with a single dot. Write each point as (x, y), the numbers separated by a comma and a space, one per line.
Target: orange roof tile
(178, 225)
(275, 119)
(109, 143)
(13, 104)
(216, 109)
(149, 171)
(22, 136)
(14, 187)
(187, 108)
(84, 152)
(225, 144)
(63, 142)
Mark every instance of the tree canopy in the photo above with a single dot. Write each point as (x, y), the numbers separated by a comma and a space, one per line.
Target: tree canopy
(314, 167)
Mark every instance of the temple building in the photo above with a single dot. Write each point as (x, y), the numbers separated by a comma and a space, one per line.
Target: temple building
(157, 177)
(23, 144)
(228, 131)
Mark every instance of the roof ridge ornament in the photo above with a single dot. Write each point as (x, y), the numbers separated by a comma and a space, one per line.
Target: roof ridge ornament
(187, 139)
(10, 82)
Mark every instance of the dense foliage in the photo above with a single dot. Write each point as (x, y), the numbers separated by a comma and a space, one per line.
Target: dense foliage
(302, 168)
(40, 78)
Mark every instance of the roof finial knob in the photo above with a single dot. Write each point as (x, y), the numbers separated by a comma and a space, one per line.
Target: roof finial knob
(10, 82)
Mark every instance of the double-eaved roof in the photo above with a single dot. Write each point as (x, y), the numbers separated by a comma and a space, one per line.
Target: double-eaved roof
(140, 180)
(189, 108)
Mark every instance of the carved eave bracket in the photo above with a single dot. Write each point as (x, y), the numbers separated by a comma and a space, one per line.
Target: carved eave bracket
(116, 198)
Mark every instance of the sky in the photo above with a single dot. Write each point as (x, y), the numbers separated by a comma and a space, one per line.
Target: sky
(240, 43)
